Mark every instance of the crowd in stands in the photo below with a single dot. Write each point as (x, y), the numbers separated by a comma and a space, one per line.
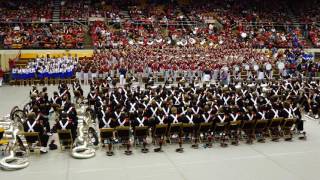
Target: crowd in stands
(167, 24)
(19, 11)
(314, 35)
(43, 36)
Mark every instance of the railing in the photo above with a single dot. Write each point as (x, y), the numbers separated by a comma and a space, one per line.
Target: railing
(47, 21)
(275, 24)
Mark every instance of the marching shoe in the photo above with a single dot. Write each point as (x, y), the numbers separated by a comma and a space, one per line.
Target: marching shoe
(179, 150)
(144, 150)
(195, 146)
(110, 153)
(43, 150)
(128, 152)
(157, 150)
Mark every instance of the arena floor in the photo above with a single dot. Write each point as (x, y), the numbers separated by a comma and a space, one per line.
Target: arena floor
(295, 160)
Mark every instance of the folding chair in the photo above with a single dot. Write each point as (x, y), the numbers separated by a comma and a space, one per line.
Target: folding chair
(204, 133)
(3, 142)
(248, 129)
(141, 134)
(160, 132)
(175, 129)
(274, 128)
(46, 81)
(107, 137)
(52, 81)
(286, 128)
(123, 134)
(244, 75)
(56, 80)
(65, 139)
(31, 139)
(188, 133)
(260, 130)
(1, 132)
(68, 81)
(233, 129)
(220, 131)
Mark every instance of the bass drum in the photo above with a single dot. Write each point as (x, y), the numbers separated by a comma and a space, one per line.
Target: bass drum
(236, 68)
(225, 68)
(246, 67)
(268, 67)
(281, 65)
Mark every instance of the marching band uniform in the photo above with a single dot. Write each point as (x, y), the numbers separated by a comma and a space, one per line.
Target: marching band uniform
(34, 125)
(65, 123)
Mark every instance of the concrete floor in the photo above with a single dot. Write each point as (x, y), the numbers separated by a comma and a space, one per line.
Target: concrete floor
(297, 160)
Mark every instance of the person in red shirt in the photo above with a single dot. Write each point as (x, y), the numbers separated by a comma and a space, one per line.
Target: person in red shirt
(1, 76)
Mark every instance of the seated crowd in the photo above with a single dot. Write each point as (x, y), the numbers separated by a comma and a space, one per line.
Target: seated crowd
(43, 36)
(142, 24)
(20, 11)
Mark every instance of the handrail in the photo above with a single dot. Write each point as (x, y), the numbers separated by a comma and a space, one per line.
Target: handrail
(273, 23)
(15, 21)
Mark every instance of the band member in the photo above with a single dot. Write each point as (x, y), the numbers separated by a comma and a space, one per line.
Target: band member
(66, 123)
(122, 77)
(33, 124)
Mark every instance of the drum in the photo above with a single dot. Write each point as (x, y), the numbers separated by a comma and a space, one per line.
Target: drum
(225, 68)
(159, 40)
(150, 42)
(192, 41)
(236, 68)
(206, 77)
(184, 42)
(281, 65)
(246, 67)
(268, 67)
(243, 35)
